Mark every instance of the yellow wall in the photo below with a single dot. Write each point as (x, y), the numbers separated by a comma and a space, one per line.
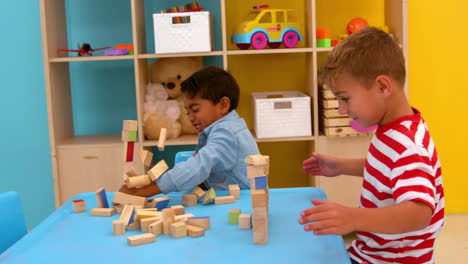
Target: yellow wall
(438, 52)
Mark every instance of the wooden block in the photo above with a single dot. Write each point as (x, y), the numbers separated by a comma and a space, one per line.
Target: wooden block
(118, 227)
(178, 209)
(260, 238)
(134, 226)
(183, 217)
(155, 228)
(234, 190)
(261, 183)
(200, 221)
(199, 192)
(146, 222)
(244, 221)
(259, 198)
(102, 212)
(178, 230)
(141, 239)
(101, 198)
(332, 113)
(161, 202)
(328, 104)
(336, 122)
(233, 216)
(254, 171)
(340, 131)
(257, 159)
(168, 218)
(128, 214)
(130, 150)
(138, 181)
(209, 196)
(195, 231)
(158, 170)
(225, 199)
(327, 94)
(190, 199)
(259, 213)
(129, 136)
(130, 125)
(118, 207)
(147, 214)
(79, 206)
(146, 157)
(123, 198)
(162, 139)
(129, 170)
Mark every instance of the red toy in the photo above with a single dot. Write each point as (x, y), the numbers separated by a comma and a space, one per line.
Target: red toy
(355, 25)
(84, 49)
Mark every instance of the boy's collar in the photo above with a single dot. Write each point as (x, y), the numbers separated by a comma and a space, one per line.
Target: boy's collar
(230, 116)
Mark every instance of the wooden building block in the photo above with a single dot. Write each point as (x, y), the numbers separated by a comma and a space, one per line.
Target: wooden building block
(195, 231)
(134, 226)
(146, 157)
(260, 238)
(101, 198)
(155, 228)
(147, 214)
(183, 217)
(79, 206)
(117, 207)
(244, 221)
(161, 202)
(261, 183)
(130, 125)
(257, 159)
(225, 199)
(128, 214)
(141, 239)
(162, 139)
(200, 221)
(168, 217)
(130, 150)
(118, 227)
(254, 171)
(158, 170)
(259, 213)
(178, 230)
(209, 196)
(234, 190)
(123, 198)
(178, 209)
(234, 216)
(259, 198)
(146, 222)
(190, 199)
(199, 192)
(138, 181)
(129, 136)
(129, 170)
(102, 212)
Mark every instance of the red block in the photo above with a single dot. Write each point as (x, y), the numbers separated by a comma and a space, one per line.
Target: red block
(130, 150)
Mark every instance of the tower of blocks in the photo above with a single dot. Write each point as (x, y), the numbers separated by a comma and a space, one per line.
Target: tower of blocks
(257, 172)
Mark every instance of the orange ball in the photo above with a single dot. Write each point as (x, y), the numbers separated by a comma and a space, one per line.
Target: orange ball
(355, 25)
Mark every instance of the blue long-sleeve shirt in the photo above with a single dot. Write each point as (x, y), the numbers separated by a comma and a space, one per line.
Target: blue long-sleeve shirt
(219, 159)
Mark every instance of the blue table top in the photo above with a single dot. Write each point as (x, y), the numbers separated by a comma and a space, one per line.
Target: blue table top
(67, 237)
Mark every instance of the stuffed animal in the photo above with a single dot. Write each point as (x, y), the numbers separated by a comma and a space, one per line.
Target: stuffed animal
(171, 72)
(160, 113)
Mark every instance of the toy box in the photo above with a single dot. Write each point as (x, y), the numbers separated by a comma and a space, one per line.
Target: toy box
(183, 32)
(281, 114)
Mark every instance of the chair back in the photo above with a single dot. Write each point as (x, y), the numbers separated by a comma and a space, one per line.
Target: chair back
(12, 225)
(183, 156)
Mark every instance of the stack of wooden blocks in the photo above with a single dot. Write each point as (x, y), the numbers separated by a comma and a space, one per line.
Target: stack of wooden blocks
(257, 172)
(332, 123)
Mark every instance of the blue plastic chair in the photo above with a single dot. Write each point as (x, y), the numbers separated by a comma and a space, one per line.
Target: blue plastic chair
(12, 225)
(183, 156)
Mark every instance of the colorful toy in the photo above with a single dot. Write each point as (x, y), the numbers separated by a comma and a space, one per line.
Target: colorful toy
(323, 36)
(84, 49)
(356, 24)
(264, 26)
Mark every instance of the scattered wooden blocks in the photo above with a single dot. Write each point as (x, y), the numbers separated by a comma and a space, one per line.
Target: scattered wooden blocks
(225, 199)
(168, 217)
(123, 198)
(234, 216)
(158, 170)
(178, 209)
(234, 190)
(79, 206)
(183, 217)
(178, 230)
(161, 202)
(162, 139)
(101, 198)
(195, 231)
(244, 221)
(141, 239)
(190, 199)
(118, 227)
(199, 192)
(128, 214)
(156, 227)
(209, 196)
(146, 222)
(102, 212)
(200, 221)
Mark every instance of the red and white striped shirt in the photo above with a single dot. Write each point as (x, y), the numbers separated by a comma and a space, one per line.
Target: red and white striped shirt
(402, 165)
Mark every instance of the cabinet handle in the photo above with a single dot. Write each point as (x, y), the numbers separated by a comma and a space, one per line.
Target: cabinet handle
(90, 157)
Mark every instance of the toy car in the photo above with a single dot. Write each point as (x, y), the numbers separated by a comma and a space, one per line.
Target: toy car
(264, 26)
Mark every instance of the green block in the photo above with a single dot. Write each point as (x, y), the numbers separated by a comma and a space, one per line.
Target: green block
(132, 136)
(323, 43)
(234, 217)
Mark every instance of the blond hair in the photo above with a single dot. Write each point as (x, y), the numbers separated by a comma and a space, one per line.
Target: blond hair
(363, 56)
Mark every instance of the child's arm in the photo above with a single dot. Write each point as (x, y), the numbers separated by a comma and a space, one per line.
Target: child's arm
(332, 218)
(330, 166)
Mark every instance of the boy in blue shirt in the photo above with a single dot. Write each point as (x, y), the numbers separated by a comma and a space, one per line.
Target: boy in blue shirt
(211, 96)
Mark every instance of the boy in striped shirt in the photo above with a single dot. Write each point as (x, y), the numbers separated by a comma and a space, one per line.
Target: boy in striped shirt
(402, 200)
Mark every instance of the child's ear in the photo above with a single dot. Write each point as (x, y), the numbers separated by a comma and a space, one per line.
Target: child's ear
(225, 104)
(385, 84)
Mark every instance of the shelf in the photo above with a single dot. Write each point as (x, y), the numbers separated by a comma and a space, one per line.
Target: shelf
(170, 55)
(92, 58)
(269, 51)
(90, 141)
(182, 140)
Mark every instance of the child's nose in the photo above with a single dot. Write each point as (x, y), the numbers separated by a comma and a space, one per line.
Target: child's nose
(342, 109)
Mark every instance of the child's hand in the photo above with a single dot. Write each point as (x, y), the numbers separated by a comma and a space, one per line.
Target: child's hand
(146, 191)
(321, 165)
(329, 218)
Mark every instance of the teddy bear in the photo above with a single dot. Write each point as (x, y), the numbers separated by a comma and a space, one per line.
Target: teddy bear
(159, 112)
(171, 72)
